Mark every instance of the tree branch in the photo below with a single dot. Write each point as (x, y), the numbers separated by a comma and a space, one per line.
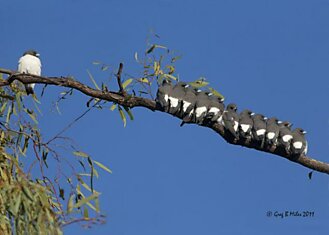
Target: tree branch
(121, 90)
(134, 101)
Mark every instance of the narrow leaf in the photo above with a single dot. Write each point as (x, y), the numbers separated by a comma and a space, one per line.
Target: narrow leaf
(123, 116)
(70, 204)
(216, 93)
(150, 49)
(113, 107)
(170, 76)
(86, 199)
(80, 154)
(129, 113)
(105, 67)
(126, 83)
(144, 80)
(93, 80)
(199, 83)
(102, 166)
(85, 212)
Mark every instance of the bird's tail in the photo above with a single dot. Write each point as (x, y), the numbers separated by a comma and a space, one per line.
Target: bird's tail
(29, 90)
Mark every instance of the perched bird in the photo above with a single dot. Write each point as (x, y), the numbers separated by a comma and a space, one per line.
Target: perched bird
(216, 107)
(285, 136)
(298, 142)
(162, 99)
(201, 106)
(259, 128)
(272, 133)
(245, 124)
(176, 97)
(30, 63)
(230, 120)
(189, 101)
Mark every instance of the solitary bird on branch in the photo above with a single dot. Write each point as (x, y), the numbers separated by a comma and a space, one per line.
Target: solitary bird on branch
(30, 63)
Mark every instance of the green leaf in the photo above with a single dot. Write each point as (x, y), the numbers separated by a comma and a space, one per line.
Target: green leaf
(57, 108)
(216, 93)
(97, 204)
(3, 107)
(123, 116)
(170, 76)
(80, 154)
(37, 108)
(84, 184)
(113, 107)
(18, 101)
(171, 69)
(93, 80)
(9, 112)
(70, 204)
(174, 59)
(96, 62)
(126, 83)
(105, 67)
(153, 47)
(27, 192)
(85, 212)
(159, 46)
(102, 166)
(201, 82)
(17, 203)
(86, 200)
(129, 113)
(32, 116)
(150, 49)
(144, 80)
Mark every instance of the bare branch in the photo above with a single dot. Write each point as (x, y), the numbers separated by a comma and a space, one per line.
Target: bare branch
(121, 90)
(135, 101)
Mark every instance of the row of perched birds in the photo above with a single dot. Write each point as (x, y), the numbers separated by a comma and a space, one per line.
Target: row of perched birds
(203, 107)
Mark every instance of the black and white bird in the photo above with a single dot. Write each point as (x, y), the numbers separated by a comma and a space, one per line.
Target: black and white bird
(176, 97)
(259, 129)
(201, 106)
(245, 124)
(230, 120)
(189, 101)
(298, 142)
(216, 107)
(272, 133)
(285, 136)
(164, 91)
(30, 63)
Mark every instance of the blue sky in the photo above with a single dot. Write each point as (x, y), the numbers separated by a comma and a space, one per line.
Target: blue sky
(269, 56)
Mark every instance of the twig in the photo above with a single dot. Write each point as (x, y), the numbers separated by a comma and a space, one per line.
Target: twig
(70, 124)
(121, 90)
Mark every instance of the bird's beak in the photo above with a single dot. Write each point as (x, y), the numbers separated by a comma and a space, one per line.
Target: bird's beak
(279, 122)
(37, 54)
(252, 114)
(304, 132)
